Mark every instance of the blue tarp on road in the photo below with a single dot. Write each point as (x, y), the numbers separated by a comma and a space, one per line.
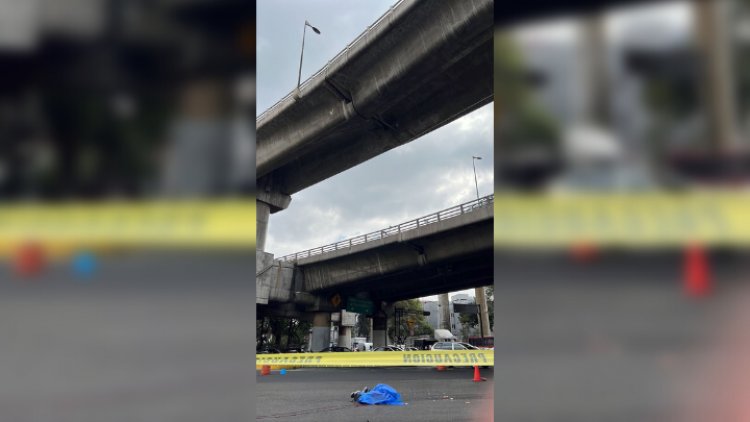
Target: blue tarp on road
(381, 394)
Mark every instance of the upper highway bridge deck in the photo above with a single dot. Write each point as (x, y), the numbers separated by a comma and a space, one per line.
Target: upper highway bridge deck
(376, 238)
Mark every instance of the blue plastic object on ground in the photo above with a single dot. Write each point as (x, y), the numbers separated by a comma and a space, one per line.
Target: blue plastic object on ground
(381, 394)
(84, 264)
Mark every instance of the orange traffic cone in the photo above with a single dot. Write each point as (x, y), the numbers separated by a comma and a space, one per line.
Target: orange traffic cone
(29, 260)
(265, 370)
(697, 277)
(584, 252)
(477, 378)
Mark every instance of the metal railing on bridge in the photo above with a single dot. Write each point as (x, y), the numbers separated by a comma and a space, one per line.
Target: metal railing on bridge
(433, 218)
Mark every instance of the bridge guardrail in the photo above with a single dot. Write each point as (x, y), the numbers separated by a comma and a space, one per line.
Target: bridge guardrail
(416, 223)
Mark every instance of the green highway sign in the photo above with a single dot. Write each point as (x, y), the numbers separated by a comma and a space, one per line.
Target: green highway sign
(359, 306)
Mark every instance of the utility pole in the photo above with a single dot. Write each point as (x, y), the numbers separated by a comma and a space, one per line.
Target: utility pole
(711, 18)
(595, 44)
(302, 54)
(445, 312)
(473, 165)
(484, 316)
(479, 296)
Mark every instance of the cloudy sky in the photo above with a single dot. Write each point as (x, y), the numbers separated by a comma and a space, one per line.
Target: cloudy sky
(427, 175)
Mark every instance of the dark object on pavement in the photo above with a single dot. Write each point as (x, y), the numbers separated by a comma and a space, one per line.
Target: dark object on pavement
(355, 395)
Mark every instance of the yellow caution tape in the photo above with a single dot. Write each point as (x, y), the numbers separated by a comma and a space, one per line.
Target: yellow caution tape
(375, 359)
(653, 219)
(140, 224)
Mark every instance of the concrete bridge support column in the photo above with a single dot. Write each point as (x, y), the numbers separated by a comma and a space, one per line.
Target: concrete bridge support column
(267, 202)
(379, 330)
(444, 321)
(484, 316)
(345, 336)
(713, 36)
(262, 213)
(321, 331)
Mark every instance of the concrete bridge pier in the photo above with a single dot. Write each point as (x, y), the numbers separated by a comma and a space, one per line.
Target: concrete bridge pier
(345, 336)
(379, 330)
(380, 325)
(444, 321)
(267, 202)
(262, 212)
(321, 331)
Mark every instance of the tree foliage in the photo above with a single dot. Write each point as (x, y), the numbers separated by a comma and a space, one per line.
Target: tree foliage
(281, 333)
(528, 137)
(362, 327)
(413, 311)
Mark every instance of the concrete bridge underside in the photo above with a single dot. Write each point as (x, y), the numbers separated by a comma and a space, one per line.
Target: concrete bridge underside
(443, 261)
(440, 257)
(422, 66)
(445, 251)
(446, 261)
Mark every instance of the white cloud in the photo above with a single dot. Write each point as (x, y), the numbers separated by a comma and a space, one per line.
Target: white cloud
(428, 175)
(479, 123)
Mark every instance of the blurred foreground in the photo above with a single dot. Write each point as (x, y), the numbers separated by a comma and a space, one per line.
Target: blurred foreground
(614, 337)
(147, 337)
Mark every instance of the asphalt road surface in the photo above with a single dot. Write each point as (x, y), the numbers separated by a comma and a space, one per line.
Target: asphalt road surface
(322, 394)
(150, 338)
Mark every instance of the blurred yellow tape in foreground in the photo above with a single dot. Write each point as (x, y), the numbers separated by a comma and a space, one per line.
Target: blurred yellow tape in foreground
(622, 220)
(169, 224)
(374, 359)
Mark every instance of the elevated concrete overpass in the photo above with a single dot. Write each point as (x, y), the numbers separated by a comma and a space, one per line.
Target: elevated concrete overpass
(444, 251)
(438, 253)
(417, 68)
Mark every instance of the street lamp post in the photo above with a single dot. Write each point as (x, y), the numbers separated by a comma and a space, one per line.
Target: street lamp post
(479, 296)
(302, 53)
(476, 183)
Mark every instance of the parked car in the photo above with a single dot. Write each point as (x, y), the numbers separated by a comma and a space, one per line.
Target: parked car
(386, 349)
(267, 350)
(482, 342)
(424, 344)
(449, 345)
(455, 345)
(469, 346)
(335, 349)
